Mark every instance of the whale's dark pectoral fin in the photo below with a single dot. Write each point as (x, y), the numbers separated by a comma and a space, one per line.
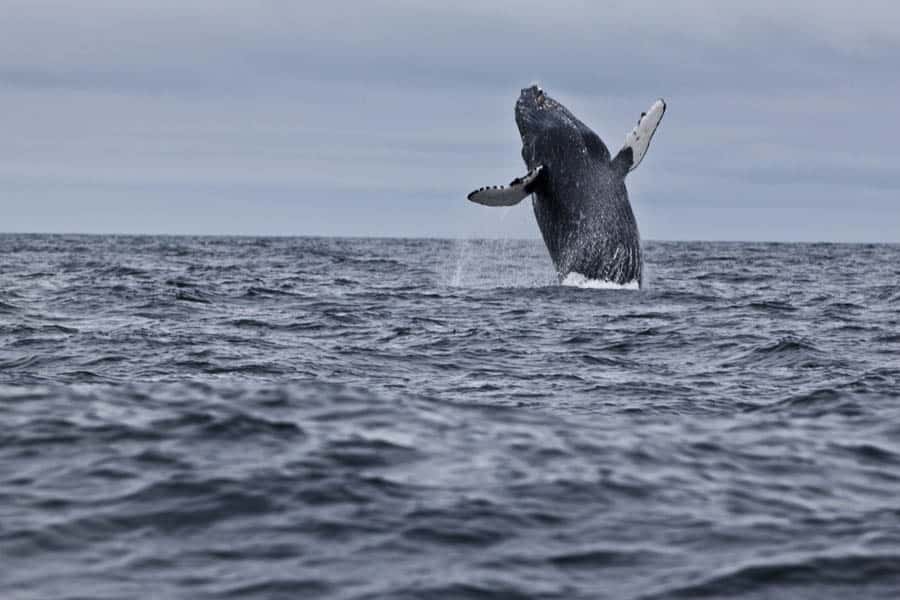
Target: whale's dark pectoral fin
(638, 139)
(508, 195)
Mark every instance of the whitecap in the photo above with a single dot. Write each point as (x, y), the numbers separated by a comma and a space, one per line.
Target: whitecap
(576, 279)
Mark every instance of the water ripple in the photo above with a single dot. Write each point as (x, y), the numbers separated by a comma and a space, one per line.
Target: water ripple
(323, 418)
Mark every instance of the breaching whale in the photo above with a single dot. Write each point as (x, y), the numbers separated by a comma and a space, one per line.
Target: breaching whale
(578, 191)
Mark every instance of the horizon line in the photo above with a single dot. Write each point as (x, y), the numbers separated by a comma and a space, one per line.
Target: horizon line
(421, 238)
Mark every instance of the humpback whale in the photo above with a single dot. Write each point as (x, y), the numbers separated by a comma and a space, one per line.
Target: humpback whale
(578, 190)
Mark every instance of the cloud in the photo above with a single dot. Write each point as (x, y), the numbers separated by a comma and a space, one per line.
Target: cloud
(624, 45)
(390, 105)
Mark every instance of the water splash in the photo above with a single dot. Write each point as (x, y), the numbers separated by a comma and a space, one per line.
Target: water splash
(499, 263)
(463, 249)
(576, 279)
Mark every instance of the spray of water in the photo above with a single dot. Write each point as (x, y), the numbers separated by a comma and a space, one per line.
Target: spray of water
(575, 279)
(463, 249)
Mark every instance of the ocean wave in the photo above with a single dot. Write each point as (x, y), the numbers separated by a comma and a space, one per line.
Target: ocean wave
(199, 417)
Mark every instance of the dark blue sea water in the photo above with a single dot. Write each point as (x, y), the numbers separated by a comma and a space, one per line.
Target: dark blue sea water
(323, 418)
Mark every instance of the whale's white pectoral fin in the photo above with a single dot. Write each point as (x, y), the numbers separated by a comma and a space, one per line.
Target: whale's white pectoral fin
(638, 139)
(507, 195)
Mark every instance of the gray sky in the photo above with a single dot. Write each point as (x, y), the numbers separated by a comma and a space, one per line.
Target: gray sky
(377, 118)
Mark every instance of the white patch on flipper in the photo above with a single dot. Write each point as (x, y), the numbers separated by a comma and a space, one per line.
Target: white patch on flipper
(638, 139)
(502, 195)
(576, 279)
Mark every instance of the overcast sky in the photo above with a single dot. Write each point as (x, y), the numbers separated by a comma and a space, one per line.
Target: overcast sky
(377, 118)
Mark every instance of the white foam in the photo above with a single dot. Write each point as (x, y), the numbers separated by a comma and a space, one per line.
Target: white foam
(576, 279)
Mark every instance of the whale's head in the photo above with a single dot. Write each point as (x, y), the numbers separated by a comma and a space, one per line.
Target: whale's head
(535, 110)
(537, 114)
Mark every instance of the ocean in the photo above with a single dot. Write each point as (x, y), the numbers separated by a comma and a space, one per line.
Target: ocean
(215, 417)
